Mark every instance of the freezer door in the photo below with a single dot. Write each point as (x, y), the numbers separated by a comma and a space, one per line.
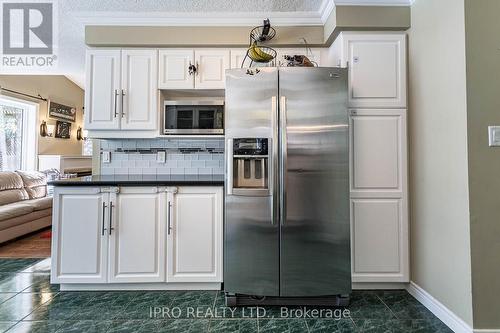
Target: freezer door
(251, 239)
(314, 172)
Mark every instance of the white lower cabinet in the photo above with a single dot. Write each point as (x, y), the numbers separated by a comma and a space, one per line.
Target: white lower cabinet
(113, 235)
(379, 195)
(195, 235)
(137, 236)
(379, 234)
(79, 236)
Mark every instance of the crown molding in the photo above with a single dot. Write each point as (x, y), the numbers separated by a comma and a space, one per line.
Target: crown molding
(197, 19)
(373, 2)
(326, 8)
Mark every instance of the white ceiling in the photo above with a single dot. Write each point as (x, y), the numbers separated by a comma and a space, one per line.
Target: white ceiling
(75, 14)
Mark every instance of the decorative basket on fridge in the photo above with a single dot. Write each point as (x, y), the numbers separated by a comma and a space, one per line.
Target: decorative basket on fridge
(256, 51)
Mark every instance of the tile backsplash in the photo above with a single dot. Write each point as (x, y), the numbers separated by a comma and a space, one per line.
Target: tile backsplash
(183, 156)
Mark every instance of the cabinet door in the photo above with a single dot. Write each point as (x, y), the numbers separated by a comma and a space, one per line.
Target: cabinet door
(79, 236)
(195, 239)
(378, 152)
(174, 73)
(237, 57)
(379, 235)
(139, 89)
(377, 70)
(211, 67)
(102, 87)
(137, 236)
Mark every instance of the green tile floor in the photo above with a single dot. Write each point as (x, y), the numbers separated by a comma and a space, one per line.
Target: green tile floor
(28, 303)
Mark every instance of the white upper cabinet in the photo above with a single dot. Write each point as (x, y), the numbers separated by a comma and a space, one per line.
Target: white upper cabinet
(237, 57)
(79, 235)
(377, 69)
(195, 235)
(211, 66)
(102, 83)
(174, 69)
(122, 89)
(139, 89)
(137, 237)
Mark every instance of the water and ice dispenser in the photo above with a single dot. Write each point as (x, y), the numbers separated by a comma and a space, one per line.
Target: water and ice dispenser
(250, 165)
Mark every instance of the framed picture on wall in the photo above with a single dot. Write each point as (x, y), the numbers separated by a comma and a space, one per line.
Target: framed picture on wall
(62, 112)
(63, 130)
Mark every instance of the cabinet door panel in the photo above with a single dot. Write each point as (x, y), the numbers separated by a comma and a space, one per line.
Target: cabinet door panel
(378, 240)
(377, 75)
(102, 86)
(211, 65)
(79, 240)
(237, 57)
(139, 89)
(378, 151)
(137, 240)
(196, 219)
(173, 73)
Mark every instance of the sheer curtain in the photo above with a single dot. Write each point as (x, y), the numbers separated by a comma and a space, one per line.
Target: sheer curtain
(11, 137)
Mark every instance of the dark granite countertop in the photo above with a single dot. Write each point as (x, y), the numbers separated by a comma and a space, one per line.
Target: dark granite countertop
(141, 180)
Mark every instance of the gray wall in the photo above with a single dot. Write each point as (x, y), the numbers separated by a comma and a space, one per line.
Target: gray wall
(439, 195)
(482, 26)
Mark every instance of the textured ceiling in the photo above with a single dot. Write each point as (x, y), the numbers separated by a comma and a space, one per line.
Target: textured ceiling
(193, 5)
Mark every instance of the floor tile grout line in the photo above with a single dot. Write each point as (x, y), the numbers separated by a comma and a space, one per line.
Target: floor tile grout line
(387, 306)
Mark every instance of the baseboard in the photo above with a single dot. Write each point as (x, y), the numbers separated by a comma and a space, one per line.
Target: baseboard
(141, 286)
(442, 312)
(485, 330)
(379, 285)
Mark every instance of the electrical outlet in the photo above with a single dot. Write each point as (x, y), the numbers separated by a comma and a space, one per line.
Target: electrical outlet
(161, 156)
(494, 136)
(106, 157)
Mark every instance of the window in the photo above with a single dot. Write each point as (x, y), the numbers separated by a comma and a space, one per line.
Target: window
(17, 134)
(87, 147)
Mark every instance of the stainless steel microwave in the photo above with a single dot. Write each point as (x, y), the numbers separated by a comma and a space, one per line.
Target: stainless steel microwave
(199, 116)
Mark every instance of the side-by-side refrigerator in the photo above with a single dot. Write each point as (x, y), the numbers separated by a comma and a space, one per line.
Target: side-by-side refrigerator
(286, 237)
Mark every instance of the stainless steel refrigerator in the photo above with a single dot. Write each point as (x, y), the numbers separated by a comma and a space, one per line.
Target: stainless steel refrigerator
(287, 227)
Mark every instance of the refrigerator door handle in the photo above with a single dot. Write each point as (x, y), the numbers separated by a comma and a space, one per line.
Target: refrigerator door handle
(229, 166)
(274, 167)
(283, 158)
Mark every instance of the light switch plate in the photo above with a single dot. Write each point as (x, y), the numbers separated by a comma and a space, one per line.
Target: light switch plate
(161, 156)
(494, 136)
(106, 157)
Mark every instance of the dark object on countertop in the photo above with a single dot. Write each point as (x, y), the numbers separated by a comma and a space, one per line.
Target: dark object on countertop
(142, 180)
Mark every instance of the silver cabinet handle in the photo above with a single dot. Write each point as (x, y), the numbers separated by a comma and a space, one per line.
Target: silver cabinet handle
(116, 101)
(283, 166)
(111, 217)
(197, 69)
(123, 94)
(103, 217)
(169, 227)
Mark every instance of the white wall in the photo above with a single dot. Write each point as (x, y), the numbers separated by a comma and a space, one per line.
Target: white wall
(440, 243)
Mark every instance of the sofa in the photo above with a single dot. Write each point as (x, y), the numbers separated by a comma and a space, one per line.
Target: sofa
(24, 204)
